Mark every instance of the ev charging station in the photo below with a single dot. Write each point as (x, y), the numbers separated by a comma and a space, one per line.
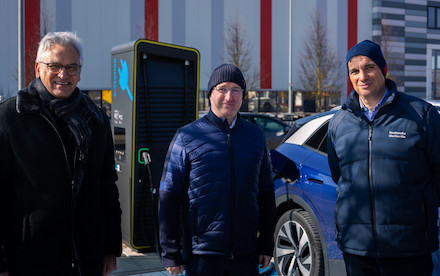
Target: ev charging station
(154, 91)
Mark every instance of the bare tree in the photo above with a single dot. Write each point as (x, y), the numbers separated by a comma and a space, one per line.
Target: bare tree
(46, 20)
(239, 52)
(387, 40)
(320, 71)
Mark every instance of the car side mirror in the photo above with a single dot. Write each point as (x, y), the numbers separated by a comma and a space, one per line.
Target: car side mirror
(283, 166)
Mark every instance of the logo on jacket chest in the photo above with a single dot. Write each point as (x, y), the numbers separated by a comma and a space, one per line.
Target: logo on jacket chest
(397, 134)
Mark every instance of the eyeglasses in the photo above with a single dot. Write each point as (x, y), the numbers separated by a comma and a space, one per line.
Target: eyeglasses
(234, 91)
(71, 69)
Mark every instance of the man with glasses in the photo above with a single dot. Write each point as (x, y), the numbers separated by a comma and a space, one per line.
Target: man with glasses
(59, 207)
(219, 168)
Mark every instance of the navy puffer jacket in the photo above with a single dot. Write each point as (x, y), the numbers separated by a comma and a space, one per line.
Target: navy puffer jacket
(387, 174)
(224, 177)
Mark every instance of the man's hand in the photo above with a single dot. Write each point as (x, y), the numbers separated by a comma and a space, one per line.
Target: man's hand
(264, 260)
(109, 265)
(175, 270)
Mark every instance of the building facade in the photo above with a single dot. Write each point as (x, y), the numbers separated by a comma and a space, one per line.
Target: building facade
(410, 33)
(408, 30)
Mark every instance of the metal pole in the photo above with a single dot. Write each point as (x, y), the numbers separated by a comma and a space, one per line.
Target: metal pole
(290, 56)
(20, 44)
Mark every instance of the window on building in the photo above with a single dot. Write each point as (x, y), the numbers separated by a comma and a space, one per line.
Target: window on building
(434, 17)
(435, 69)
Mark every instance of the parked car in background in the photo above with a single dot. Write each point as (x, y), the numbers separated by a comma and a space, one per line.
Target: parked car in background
(273, 128)
(305, 198)
(435, 103)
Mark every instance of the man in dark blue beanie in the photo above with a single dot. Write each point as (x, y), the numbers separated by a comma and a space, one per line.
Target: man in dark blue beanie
(367, 70)
(370, 49)
(219, 166)
(384, 154)
(226, 73)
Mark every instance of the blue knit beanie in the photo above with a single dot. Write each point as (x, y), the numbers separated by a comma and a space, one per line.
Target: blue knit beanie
(226, 73)
(370, 49)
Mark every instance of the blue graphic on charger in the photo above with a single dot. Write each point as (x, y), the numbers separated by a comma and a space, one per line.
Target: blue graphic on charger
(123, 78)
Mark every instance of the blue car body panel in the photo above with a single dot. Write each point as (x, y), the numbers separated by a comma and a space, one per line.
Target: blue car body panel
(315, 189)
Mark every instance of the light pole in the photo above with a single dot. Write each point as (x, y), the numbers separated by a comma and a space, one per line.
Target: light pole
(290, 56)
(20, 44)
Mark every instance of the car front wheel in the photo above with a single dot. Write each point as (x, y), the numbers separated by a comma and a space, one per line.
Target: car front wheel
(298, 249)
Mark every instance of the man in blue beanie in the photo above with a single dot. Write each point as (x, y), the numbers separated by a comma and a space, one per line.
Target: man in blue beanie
(219, 167)
(384, 155)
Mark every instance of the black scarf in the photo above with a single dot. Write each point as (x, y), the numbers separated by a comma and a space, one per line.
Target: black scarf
(76, 111)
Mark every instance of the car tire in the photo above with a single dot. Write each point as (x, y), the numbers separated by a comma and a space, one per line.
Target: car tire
(298, 249)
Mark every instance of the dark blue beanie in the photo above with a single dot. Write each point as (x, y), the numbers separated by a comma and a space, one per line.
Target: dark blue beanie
(226, 73)
(370, 49)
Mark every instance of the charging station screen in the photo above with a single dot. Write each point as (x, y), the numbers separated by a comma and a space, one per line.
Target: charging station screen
(119, 136)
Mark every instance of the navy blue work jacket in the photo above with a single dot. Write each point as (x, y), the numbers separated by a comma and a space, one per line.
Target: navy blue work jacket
(387, 173)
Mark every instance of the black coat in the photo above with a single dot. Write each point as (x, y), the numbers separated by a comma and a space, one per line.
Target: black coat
(41, 224)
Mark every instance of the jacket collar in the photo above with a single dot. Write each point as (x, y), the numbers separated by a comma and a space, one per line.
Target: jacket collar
(28, 99)
(221, 122)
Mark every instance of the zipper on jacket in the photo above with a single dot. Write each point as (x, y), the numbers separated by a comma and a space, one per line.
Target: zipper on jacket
(370, 181)
(62, 144)
(231, 158)
(196, 226)
(74, 249)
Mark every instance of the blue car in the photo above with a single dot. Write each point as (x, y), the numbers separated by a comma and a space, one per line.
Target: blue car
(305, 198)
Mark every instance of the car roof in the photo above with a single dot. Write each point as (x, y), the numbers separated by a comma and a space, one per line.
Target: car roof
(302, 121)
(434, 102)
(307, 119)
(304, 132)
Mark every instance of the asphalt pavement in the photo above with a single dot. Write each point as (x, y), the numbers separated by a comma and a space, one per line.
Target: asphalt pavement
(139, 264)
(145, 264)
